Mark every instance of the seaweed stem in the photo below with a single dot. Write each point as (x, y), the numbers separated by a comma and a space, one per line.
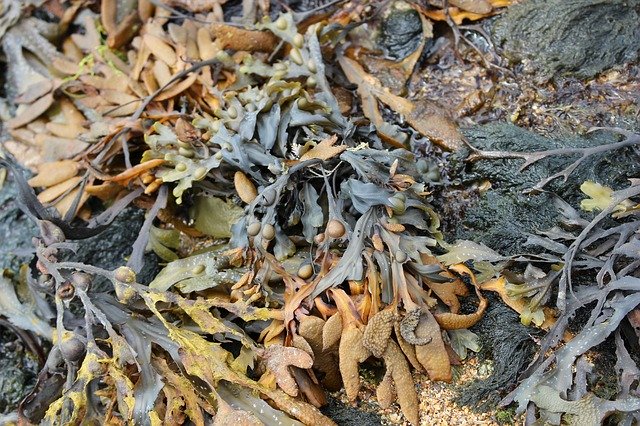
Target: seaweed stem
(565, 279)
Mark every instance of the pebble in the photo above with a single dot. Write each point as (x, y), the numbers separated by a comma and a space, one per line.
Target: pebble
(436, 401)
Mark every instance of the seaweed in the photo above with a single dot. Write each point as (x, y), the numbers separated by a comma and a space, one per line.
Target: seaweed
(598, 253)
(299, 239)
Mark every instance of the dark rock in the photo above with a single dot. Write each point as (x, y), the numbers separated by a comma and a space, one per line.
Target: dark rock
(18, 368)
(401, 33)
(345, 415)
(15, 228)
(504, 214)
(110, 249)
(233, 9)
(570, 37)
(18, 371)
(107, 250)
(306, 5)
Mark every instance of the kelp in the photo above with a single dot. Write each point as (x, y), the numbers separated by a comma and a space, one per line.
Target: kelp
(125, 347)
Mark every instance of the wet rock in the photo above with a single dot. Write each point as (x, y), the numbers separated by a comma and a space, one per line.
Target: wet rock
(570, 37)
(15, 228)
(306, 5)
(503, 216)
(107, 250)
(345, 415)
(111, 249)
(392, 56)
(18, 371)
(401, 32)
(18, 368)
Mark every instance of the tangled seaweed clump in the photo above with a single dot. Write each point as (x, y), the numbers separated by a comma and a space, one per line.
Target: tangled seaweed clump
(294, 220)
(227, 133)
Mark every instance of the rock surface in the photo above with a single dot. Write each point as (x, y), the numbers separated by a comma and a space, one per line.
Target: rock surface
(345, 415)
(111, 249)
(401, 33)
(502, 216)
(15, 228)
(18, 370)
(570, 37)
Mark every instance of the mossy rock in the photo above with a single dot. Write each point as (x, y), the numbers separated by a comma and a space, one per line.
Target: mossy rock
(505, 214)
(578, 38)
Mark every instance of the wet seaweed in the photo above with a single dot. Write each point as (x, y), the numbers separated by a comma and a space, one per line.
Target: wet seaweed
(297, 227)
(225, 133)
(599, 251)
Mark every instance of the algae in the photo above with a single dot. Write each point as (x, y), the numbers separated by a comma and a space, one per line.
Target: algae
(580, 38)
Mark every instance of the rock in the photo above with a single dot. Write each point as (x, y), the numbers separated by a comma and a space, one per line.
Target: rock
(504, 214)
(18, 368)
(15, 228)
(345, 415)
(111, 249)
(570, 37)
(401, 32)
(108, 250)
(18, 371)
